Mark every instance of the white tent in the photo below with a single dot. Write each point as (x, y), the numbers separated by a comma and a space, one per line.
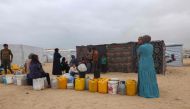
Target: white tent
(174, 55)
(64, 53)
(21, 52)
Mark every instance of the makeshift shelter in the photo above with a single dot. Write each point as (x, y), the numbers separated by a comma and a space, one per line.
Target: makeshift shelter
(123, 57)
(174, 55)
(21, 52)
(64, 53)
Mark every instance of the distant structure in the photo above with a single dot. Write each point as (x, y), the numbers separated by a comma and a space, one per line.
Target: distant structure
(174, 55)
(64, 53)
(186, 53)
(21, 52)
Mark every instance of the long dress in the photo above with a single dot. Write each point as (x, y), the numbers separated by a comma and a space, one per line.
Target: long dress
(147, 86)
(56, 64)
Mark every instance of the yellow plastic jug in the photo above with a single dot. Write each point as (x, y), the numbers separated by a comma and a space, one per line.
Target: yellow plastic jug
(8, 72)
(131, 87)
(103, 85)
(62, 82)
(15, 67)
(79, 84)
(93, 85)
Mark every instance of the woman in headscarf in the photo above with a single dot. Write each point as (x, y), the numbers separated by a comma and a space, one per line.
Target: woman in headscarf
(147, 86)
(36, 70)
(56, 63)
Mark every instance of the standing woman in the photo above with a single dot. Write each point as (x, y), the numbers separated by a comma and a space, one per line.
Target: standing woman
(56, 63)
(148, 86)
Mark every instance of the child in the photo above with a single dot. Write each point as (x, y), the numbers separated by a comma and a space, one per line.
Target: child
(73, 70)
(104, 64)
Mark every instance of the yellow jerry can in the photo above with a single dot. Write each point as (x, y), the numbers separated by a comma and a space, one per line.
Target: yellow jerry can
(62, 82)
(103, 86)
(131, 87)
(79, 84)
(93, 85)
(15, 67)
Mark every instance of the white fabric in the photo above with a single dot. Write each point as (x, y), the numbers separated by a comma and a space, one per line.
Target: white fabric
(82, 68)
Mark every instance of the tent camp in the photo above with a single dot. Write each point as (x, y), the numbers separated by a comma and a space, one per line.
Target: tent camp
(64, 53)
(174, 55)
(21, 52)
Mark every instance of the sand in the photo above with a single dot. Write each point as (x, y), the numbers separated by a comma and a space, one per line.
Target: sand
(174, 91)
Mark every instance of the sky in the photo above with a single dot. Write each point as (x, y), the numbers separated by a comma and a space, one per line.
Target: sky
(68, 23)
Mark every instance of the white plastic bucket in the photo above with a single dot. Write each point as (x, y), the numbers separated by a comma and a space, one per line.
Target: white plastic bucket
(112, 87)
(19, 79)
(8, 79)
(54, 83)
(70, 85)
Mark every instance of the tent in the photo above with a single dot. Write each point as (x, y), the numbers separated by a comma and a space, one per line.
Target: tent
(21, 52)
(174, 55)
(64, 53)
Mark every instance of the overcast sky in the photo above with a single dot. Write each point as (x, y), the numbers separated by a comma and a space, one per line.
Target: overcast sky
(67, 23)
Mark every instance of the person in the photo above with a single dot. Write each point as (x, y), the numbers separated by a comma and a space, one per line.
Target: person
(140, 40)
(104, 64)
(73, 70)
(56, 63)
(73, 61)
(36, 70)
(82, 69)
(6, 58)
(89, 60)
(95, 57)
(64, 65)
(148, 86)
(27, 63)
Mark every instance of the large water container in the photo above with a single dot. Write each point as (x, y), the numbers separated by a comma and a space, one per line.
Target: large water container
(103, 85)
(38, 84)
(1, 79)
(62, 82)
(122, 88)
(93, 85)
(79, 84)
(112, 87)
(87, 83)
(8, 79)
(20, 79)
(131, 87)
(54, 83)
(70, 85)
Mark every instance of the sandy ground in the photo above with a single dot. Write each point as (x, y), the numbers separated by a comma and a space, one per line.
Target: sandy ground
(174, 90)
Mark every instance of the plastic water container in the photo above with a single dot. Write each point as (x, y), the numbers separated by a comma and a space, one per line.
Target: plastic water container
(1, 79)
(87, 82)
(93, 85)
(70, 85)
(122, 88)
(8, 79)
(38, 84)
(62, 82)
(45, 82)
(54, 83)
(20, 79)
(79, 84)
(103, 85)
(14, 80)
(112, 87)
(131, 87)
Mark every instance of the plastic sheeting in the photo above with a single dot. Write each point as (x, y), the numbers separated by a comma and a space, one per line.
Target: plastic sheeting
(21, 52)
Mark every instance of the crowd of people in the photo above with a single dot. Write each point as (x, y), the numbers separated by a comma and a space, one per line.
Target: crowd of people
(91, 63)
(147, 81)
